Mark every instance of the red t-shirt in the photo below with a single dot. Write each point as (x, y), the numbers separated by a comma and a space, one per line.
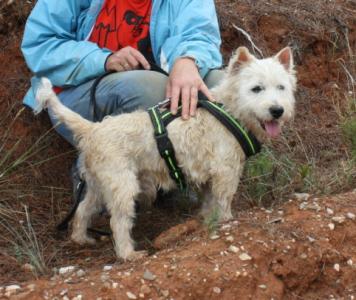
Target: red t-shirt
(122, 23)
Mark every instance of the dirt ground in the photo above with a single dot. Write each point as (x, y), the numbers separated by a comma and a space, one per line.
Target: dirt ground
(295, 251)
(304, 249)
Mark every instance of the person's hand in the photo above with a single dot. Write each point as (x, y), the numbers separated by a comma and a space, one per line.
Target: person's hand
(184, 83)
(126, 59)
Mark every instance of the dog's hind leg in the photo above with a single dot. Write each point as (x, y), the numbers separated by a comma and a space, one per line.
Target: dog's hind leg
(148, 192)
(123, 191)
(82, 219)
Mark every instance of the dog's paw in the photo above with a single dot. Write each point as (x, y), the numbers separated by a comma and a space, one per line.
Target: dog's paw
(136, 255)
(83, 239)
(225, 217)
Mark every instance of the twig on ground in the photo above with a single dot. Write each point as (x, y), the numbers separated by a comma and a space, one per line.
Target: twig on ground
(249, 39)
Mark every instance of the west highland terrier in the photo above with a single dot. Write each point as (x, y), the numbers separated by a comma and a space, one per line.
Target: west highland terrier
(120, 160)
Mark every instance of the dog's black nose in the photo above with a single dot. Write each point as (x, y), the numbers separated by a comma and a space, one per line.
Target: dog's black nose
(276, 111)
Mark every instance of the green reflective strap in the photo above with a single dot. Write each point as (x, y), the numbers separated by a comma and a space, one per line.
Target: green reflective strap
(171, 163)
(174, 168)
(168, 113)
(158, 123)
(235, 123)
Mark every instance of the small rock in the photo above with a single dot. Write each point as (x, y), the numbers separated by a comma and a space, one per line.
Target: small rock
(351, 216)
(131, 295)
(216, 290)
(245, 256)
(107, 268)
(311, 239)
(115, 285)
(31, 287)
(214, 237)
(141, 295)
(11, 290)
(145, 289)
(337, 267)
(329, 211)
(238, 274)
(165, 293)
(339, 219)
(331, 226)
(234, 249)
(80, 273)
(66, 270)
(230, 238)
(63, 292)
(78, 297)
(262, 286)
(149, 276)
(350, 262)
(303, 256)
(28, 267)
(301, 196)
(226, 227)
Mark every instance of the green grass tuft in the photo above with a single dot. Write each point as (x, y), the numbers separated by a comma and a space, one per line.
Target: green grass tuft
(348, 127)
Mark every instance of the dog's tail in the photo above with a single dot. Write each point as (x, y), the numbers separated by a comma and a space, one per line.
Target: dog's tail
(47, 98)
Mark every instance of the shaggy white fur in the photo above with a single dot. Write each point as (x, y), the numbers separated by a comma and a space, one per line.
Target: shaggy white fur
(120, 160)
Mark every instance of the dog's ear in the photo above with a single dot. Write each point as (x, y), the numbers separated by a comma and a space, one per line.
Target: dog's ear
(242, 56)
(285, 57)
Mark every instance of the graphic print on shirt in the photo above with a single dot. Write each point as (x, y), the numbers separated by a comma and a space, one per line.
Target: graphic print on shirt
(121, 24)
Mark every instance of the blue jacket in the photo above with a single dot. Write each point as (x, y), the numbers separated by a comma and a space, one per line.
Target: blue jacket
(55, 39)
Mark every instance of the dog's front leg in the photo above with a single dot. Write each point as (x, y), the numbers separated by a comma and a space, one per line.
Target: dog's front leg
(223, 188)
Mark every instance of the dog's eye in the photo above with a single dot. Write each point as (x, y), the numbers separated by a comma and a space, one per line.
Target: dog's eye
(281, 87)
(257, 89)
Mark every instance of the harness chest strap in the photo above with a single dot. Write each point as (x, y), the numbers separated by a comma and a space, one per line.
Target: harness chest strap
(165, 147)
(160, 119)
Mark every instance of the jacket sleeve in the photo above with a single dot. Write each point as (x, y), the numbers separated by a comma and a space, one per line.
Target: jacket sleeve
(195, 33)
(52, 49)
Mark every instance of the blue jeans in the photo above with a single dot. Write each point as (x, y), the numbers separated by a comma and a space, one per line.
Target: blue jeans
(119, 93)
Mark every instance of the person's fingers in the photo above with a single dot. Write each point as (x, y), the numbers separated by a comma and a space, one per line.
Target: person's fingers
(132, 61)
(140, 58)
(168, 90)
(118, 67)
(193, 101)
(204, 89)
(126, 66)
(185, 102)
(175, 99)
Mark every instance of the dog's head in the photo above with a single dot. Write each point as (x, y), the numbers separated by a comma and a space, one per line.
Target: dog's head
(261, 91)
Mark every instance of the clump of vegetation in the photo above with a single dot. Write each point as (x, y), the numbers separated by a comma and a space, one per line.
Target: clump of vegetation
(26, 248)
(212, 221)
(349, 130)
(348, 127)
(268, 177)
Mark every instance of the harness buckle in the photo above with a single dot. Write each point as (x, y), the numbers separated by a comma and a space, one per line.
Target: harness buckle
(162, 103)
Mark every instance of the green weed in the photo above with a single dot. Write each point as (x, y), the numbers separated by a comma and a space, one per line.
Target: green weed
(212, 221)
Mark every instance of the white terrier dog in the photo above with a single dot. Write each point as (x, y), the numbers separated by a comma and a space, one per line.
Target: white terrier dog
(120, 160)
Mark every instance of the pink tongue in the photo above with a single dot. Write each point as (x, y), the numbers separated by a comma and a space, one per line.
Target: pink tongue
(272, 129)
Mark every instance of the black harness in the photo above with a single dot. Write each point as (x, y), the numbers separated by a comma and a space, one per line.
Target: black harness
(160, 119)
